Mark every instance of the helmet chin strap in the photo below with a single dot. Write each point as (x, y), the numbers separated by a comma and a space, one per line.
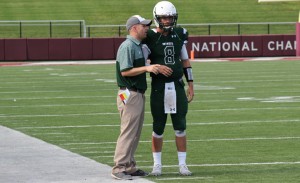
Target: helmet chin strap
(169, 29)
(166, 28)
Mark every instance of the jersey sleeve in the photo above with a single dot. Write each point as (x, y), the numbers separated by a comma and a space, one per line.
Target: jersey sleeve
(185, 36)
(183, 54)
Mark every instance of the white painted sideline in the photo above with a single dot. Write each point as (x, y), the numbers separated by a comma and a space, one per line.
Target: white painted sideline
(29, 160)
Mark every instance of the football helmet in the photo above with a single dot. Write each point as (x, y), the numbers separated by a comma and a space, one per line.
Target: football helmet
(165, 9)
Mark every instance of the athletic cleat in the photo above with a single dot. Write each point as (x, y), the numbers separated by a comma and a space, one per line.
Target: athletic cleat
(183, 170)
(139, 172)
(121, 176)
(156, 170)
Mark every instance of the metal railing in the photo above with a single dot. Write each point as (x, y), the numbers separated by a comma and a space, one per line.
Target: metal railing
(42, 28)
(78, 28)
(205, 29)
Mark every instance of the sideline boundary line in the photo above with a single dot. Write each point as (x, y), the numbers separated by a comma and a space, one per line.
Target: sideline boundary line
(99, 62)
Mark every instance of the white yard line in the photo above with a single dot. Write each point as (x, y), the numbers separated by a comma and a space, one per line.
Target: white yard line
(116, 113)
(238, 164)
(195, 140)
(99, 62)
(232, 164)
(245, 139)
(183, 178)
(57, 105)
(190, 124)
(62, 97)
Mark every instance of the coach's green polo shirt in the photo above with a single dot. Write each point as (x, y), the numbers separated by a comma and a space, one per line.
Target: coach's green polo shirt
(130, 55)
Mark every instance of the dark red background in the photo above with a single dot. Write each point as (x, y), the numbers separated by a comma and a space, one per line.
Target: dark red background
(106, 48)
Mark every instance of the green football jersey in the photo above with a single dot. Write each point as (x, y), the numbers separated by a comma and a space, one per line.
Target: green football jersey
(165, 50)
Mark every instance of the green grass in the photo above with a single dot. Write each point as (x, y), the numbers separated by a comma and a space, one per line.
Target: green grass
(244, 118)
(116, 12)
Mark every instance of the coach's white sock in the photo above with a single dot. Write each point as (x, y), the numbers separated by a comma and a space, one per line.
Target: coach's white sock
(181, 158)
(157, 158)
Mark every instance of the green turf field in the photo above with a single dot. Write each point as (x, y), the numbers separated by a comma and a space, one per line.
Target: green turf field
(243, 125)
(116, 12)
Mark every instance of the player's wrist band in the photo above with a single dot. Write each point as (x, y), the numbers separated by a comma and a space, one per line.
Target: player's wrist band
(188, 74)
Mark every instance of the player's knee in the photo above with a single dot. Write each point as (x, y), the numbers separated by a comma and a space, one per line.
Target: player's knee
(156, 135)
(180, 133)
(158, 129)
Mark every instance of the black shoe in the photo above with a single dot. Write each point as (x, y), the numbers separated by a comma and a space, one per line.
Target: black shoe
(139, 172)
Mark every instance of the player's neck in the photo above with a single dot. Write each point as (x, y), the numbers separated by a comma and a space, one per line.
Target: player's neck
(163, 32)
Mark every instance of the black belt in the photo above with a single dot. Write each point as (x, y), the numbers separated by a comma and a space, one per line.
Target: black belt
(133, 89)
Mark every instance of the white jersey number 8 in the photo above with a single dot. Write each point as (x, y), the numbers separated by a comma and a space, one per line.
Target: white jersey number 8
(169, 55)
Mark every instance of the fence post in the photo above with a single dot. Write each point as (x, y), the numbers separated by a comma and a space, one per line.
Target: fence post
(119, 31)
(208, 29)
(50, 29)
(80, 28)
(89, 32)
(20, 29)
(239, 29)
(268, 28)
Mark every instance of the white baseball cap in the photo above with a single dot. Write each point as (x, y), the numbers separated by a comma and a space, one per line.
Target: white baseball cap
(137, 19)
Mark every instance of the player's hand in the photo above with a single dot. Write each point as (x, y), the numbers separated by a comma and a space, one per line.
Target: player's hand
(190, 93)
(153, 68)
(165, 70)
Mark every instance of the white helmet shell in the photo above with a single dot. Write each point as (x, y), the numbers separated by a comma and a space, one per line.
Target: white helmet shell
(164, 8)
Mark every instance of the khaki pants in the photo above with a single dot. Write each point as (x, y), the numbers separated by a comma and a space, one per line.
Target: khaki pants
(132, 119)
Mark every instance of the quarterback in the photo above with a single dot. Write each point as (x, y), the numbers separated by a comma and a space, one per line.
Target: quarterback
(165, 45)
